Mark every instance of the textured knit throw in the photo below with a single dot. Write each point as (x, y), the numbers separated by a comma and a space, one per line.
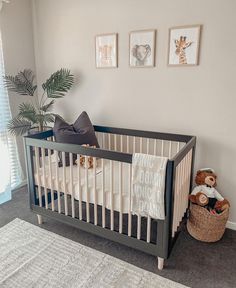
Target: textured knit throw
(148, 180)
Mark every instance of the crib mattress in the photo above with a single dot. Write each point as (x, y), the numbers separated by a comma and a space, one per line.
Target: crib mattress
(73, 185)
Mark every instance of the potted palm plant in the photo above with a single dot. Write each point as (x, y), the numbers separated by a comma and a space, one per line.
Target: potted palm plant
(36, 114)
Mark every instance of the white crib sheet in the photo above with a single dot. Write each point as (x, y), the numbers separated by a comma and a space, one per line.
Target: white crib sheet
(125, 179)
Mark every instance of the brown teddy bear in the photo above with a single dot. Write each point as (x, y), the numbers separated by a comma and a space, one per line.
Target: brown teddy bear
(205, 194)
(82, 158)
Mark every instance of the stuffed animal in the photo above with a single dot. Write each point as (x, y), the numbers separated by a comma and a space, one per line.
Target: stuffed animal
(82, 158)
(205, 194)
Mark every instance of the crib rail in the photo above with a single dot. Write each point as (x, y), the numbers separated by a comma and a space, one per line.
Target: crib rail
(133, 144)
(143, 134)
(53, 195)
(59, 192)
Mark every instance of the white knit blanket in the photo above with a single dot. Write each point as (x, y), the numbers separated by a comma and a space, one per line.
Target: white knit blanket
(148, 180)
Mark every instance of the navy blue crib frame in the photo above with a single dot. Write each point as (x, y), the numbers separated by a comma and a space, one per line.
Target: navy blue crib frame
(164, 240)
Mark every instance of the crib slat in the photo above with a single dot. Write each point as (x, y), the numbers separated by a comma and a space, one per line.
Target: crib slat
(103, 196)
(188, 169)
(95, 191)
(115, 140)
(184, 195)
(103, 141)
(72, 187)
(141, 145)
(181, 191)
(134, 144)
(121, 143)
(178, 147)
(148, 145)
(120, 198)
(176, 200)
(38, 174)
(162, 147)
(111, 195)
(186, 181)
(109, 141)
(127, 142)
(189, 174)
(129, 199)
(79, 187)
(170, 149)
(64, 182)
(86, 189)
(148, 229)
(50, 177)
(185, 184)
(155, 146)
(44, 178)
(138, 227)
(57, 184)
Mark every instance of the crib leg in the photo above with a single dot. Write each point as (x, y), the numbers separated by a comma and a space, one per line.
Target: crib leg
(160, 263)
(40, 219)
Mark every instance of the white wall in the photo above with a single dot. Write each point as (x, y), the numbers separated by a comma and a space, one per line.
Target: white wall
(17, 37)
(194, 100)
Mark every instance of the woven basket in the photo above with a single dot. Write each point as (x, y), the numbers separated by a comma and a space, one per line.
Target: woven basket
(204, 226)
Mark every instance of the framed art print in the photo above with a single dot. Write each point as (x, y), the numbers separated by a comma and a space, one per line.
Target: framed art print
(106, 51)
(142, 48)
(184, 45)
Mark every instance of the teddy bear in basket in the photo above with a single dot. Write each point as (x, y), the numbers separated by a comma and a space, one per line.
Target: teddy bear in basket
(205, 194)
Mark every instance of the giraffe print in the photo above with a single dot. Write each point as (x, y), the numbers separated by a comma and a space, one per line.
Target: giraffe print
(181, 45)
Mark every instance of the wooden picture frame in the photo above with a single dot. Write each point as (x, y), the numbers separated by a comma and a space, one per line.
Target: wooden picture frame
(106, 50)
(142, 48)
(184, 45)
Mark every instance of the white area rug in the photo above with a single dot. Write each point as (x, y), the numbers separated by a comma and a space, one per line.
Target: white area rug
(33, 257)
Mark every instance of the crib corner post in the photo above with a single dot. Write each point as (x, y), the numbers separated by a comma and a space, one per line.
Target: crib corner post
(30, 172)
(192, 163)
(165, 229)
(40, 219)
(160, 263)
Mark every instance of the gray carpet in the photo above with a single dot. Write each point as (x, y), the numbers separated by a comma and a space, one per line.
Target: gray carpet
(191, 263)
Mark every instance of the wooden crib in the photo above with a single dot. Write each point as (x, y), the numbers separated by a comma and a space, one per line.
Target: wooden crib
(98, 200)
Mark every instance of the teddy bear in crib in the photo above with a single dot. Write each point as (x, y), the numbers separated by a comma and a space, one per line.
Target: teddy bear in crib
(205, 193)
(82, 158)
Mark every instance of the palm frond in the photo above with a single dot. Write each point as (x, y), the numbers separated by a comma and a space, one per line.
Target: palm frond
(48, 118)
(59, 83)
(18, 126)
(47, 107)
(22, 83)
(28, 111)
(45, 118)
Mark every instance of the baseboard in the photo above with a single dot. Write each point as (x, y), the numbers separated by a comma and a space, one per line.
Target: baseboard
(23, 183)
(231, 225)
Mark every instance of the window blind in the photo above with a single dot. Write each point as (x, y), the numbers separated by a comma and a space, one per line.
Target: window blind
(10, 171)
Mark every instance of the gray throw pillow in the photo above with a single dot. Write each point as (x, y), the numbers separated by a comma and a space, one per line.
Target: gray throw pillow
(81, 132)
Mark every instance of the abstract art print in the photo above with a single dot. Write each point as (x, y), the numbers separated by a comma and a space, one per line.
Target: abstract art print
(142, 48)
(106, 50)
(184, 45)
